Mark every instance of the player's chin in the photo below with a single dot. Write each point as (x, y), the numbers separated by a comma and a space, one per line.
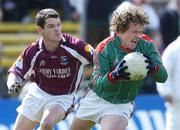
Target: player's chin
(57, 38)
(133, 45)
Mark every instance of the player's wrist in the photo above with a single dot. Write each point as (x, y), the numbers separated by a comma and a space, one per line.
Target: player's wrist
(111, 78)
(154, 69)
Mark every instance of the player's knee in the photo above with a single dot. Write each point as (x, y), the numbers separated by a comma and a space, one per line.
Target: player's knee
(46, 125)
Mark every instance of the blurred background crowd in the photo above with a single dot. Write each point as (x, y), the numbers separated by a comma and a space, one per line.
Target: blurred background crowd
(92, 18)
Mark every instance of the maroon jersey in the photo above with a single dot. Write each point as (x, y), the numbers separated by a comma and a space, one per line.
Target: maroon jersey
(56, 72)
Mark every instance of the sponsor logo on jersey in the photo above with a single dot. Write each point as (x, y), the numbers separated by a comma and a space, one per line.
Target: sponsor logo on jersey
(54, 57)
(56, 72)
(63, 60)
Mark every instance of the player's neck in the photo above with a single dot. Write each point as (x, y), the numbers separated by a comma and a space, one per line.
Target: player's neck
(51, 46)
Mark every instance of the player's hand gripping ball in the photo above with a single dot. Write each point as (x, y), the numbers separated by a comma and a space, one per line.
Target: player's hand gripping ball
(136, 64)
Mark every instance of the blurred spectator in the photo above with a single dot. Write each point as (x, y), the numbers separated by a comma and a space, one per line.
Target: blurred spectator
(20, 10)
(169, 22)
(97, 19)
(67, 11)
(151, 12)
(13, 10)
(3, 88)
(1, 13)
(170, 90)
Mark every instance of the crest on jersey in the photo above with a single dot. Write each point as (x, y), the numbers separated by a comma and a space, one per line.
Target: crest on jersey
(64, 60)
(42, 63)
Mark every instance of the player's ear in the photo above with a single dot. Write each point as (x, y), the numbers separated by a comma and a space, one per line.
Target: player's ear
(39, 29)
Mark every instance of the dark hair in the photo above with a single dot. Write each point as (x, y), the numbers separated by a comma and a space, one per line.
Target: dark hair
(44, 14)
(122, 17)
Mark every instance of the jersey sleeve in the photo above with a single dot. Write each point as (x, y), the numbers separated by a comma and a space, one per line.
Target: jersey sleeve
(99, 79)
(161, 74)
(23, 63)
(81, 50)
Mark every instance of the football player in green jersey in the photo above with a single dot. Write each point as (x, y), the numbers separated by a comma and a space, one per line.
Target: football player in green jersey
(110, 102)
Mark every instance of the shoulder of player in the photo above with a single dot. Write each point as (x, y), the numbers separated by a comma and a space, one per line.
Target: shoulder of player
(76, 44)
(31, 49)
(72, 39)
(100, 47)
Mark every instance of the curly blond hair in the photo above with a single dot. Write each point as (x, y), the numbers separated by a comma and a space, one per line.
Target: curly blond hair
(122, 17)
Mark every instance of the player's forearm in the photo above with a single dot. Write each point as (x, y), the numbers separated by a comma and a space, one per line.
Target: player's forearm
(101, 82)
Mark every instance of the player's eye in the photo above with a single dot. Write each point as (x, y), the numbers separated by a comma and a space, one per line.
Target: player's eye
(59, 25)
(50, 26)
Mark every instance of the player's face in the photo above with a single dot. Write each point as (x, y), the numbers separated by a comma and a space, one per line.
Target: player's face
(131, 36)
(52, 30)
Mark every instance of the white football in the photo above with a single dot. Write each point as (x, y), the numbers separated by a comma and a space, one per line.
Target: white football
(136, 64)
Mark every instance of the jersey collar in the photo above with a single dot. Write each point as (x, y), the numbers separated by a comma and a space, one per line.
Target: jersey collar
(118, 39)
(42, 46)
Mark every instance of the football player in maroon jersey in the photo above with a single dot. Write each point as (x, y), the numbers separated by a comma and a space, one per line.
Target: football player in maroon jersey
(53, 65)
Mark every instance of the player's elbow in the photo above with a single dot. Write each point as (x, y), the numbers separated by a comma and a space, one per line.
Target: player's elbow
(163, 79)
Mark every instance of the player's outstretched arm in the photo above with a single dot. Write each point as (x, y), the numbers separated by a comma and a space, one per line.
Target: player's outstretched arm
(13, 83)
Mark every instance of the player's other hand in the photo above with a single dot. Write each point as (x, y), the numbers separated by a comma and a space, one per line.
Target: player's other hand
(14, 88)
(119, 72)
(152, 66)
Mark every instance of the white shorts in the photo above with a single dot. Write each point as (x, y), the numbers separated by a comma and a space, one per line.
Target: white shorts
(93, 108)
(36, 101)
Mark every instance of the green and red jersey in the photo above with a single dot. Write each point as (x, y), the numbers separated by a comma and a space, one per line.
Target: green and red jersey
(107, 55)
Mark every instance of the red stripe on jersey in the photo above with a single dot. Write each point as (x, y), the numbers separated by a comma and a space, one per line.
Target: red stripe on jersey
(146, 38)
(125, 49)
(102, 44)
